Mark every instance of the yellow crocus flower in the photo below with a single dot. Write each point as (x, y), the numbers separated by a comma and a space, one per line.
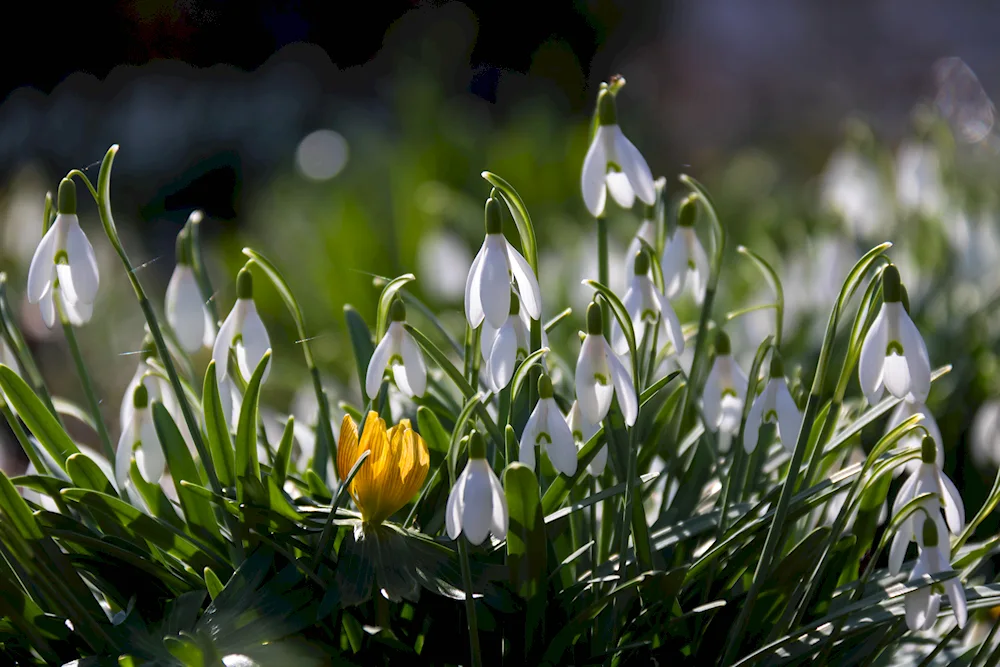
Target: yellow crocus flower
(395, 469)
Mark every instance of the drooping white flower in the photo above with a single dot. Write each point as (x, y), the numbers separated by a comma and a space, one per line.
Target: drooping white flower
(140, 440)
(647, 233)
(487, 289)
(645, 304)
(64, 266)
(601, 374)
(242, 330)
(157, 387)
(927, 479)
(893, 353)
(547, 427)
(613, 163)
(398, 352)
(725, 390)
(477, 505)
(903, 411)
(684, 260)
(583, 431)
(501, 348)
(186, 311)
(922, 605)
(775, 405)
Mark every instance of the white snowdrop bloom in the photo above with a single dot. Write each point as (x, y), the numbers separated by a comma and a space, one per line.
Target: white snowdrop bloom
(645, 304)
(901, 413)
(927, 479)
(242, 330)
(157, 386)
(139, 440)
(893, 353)
(547, 427)
(64, 265)
(775, 405)
(614, 163)
(919, 186)
(583, 431)
(647, 233)
(601, 374)
(851, 187)
(487, 289)
(725, 390)
(477, 505)
(684, 260)
(986, 435)
(186, 311)
(502, 348)
(922, 605)
(398, 352)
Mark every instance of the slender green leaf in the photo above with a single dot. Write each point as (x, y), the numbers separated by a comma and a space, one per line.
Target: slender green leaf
(87, 474)
(527, 546)
(17, 511)
(429, 427)
(42, 424)
(385, 301)
(280, 469)
(247, 465)
(519, 212)
(220, 443)
(361, 339)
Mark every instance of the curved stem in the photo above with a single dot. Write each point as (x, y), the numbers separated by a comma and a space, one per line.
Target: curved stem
(470, 604)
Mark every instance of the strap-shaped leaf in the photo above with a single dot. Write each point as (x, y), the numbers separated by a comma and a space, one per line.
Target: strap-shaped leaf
(527, 547)
(220, 443)
(36, 417)
(247, 464)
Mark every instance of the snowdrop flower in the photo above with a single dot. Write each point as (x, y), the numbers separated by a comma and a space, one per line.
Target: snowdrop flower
(893, 353)
(613, 163)
(477, 504)
(398, 352)
(647, 233)
(852, 188)
(501, 348)
(645, 304)
(684, 260)
(583, 431)
(922, 605)
(600, 373)
(242, 330)
(139, 439)
(927, 479)
(901, 413)
(487, 289)
(919, 186)
(725, 390)
(186, 311)
(775, 405)
(547, 424)
(64, 265)
(156, 386)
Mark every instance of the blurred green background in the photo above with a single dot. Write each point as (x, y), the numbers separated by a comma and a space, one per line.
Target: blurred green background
(346, 148)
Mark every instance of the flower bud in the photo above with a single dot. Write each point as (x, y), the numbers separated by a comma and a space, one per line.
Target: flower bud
(140, 397)
(928, 450)
(244, 284)
(477, 446)
(641, 263)
(930, 534)
(397, 311)
(777, 366)
(67, 197)
(544, 386)
(595, 320)
(891, 287)
(607, 114)
(722, 344)
(494, 222)
(688, 212)
(183, 248)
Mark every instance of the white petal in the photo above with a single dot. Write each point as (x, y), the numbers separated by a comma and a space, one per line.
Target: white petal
(751, 432)
(529, 436)
(477, 501)
(77, 312)
(486, 337)
(592, 179)
(956, 597)
(123, 455)
(503, 355)
(620, 189)
(47, 305)
(915, 351)
(500, 517)
(593, 397)
(149, 457)
(220, 351)
(41, 271)
(527, 283)
(711, 399)
(494, 288)
(562, 449)
(473, 284)
(789, 417)
(185, 309)
(599, 462)
(871, 363)
(125, 411)
(917, 605)
(897, 551)
(255, 342)
(674, 265)
(635, 167)
(954, 508)
(732, 412)
(624, 388)
(645, 232)
(377, 365)
(416, 371)
(699, 278)
(82, 262)
(671, 323)
(905, 494)
(453, 510)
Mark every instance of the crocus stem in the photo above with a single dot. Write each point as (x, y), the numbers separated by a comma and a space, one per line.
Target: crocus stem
(470, 604)
(88, 386)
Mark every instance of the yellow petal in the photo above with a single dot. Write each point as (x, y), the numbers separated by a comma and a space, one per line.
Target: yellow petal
(347, 447)
(366, 482)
